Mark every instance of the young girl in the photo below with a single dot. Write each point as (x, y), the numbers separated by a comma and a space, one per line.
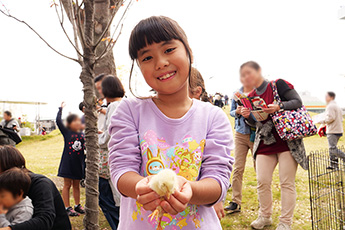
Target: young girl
(197, 86)
(197, 90)
(192, 138)
(72, 161)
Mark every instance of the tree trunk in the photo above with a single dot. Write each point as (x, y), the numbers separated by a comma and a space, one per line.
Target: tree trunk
(103, 14)
(92, 156)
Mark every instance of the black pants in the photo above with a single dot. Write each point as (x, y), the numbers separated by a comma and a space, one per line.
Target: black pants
(107, 203)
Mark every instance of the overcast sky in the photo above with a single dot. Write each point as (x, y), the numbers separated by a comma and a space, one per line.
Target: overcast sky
(300, 41)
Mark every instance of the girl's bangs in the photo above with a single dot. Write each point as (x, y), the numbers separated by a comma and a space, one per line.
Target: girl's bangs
(153, 30)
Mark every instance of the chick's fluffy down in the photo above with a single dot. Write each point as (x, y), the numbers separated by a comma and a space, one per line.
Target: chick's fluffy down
(164, 183)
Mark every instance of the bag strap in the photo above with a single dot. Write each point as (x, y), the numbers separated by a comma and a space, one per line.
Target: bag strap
(276, 96)
(7, 122)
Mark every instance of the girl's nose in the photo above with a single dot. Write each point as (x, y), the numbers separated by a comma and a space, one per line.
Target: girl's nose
(161, 63)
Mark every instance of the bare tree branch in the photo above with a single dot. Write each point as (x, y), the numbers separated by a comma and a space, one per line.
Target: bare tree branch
(110, 45)
(79, 23)
(117, 7)
(3, 5)
(112, 42)
(64, 30)
(21, 21)
(79, 6)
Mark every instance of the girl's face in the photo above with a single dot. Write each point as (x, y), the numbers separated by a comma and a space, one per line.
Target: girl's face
(250, 77)
(76, 125)
(165, 66)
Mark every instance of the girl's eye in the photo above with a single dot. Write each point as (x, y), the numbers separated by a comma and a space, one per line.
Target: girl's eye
(147, 58)
(169, 50)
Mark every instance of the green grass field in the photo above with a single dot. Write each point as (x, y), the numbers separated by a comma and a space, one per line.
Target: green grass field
(43, 154)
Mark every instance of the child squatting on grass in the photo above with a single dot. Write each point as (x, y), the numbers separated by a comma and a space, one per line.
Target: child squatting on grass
(168, 131)
(15, 206)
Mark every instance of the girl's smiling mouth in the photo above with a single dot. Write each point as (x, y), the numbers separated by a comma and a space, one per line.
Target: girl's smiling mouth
(167, 76)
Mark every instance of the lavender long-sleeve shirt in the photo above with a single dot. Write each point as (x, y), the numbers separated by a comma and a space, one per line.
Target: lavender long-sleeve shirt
(196, 146)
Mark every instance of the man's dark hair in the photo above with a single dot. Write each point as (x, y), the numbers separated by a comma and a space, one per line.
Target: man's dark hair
(331, 94)
(10, 157)
(8, 113)
(112, 87)
(99, 77)
(81, 106)
(16, 181)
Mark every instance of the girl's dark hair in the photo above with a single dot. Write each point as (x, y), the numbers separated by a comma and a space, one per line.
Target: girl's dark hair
(70, 118)
(10, 157)
(81, 106)
(196, 80)
(99, 77)
(156, 29)
(331, 94)
(16, 181)
(112, 87)
(251, 64)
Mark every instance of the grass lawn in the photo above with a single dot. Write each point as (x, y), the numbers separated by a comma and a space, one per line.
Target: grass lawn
(43, 154)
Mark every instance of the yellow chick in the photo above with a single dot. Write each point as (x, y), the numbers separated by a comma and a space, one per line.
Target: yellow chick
(164, 184)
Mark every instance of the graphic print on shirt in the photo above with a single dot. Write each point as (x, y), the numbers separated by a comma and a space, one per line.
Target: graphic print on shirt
(184, 159)
(76, 144)
(154, 164)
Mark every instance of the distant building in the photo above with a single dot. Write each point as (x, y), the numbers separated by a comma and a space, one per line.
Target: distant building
(48, 124)
(313, 104)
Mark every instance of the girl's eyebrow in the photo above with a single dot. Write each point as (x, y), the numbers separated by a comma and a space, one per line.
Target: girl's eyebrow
(144, 52)
(148, 50)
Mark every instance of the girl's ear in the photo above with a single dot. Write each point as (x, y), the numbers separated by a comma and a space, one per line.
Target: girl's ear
(198, 91)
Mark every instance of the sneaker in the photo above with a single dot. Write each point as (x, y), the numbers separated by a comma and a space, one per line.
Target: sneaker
(283, 226)
(79, 209)
(71, 212)
(261, 222)
(233, 207)
(82, 183)
(331, 167)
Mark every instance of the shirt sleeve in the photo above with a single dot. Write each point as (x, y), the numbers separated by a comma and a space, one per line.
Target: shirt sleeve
(21, 215)
(16, 124)
(124, 150)
(289, 96)
(330, 115)
(44, 208)
(283, 86)
(233, 108)
(104, 138)
(59, 122)
(217, 162)
(3, 221)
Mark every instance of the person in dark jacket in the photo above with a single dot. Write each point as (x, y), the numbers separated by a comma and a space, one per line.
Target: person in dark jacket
(49, 209)
(72, 164)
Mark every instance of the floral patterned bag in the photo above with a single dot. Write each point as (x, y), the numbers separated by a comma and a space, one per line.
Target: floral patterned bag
(292, 124)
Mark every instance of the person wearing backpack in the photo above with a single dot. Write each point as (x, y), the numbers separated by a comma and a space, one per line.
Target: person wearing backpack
(9, 122)
(9, 133)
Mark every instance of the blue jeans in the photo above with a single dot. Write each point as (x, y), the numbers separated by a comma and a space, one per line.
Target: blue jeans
(107, 203)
